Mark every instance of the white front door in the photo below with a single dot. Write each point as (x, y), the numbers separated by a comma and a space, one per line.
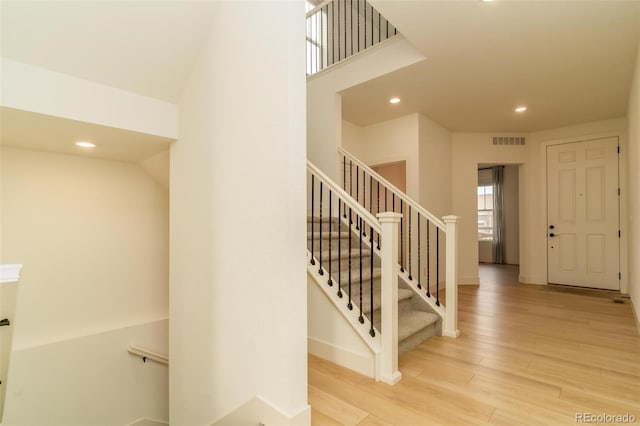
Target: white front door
(583, 244)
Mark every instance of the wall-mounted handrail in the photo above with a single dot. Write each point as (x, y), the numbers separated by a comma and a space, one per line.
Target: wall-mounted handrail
(146, 354)
(411, 202)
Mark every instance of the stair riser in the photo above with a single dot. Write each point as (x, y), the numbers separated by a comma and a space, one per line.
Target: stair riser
(403, 305)
(416, 339)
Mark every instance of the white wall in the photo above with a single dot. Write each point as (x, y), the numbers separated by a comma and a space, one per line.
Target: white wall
(331, 335)
(511, 215)
(93, 237)
(238, 277)
(633, 170)
(30, 88)
(434, 142)
(469, 150)
(387, 142)
(324, 107)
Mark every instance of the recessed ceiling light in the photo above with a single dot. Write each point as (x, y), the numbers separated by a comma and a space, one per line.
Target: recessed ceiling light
(521, 109)
(487, 1)
(83, 144)
(394, 100)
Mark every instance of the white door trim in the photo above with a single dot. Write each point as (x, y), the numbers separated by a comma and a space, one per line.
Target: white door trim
(622, 170)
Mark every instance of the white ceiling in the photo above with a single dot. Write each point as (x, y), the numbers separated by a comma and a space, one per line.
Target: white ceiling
(145, 47)
(568, 61)
(29, 130)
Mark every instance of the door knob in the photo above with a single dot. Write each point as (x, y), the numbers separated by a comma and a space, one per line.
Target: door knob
(552, 235)
(552, 227)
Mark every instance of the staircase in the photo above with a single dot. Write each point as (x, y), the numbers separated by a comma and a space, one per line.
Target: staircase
(376, 264)
(416, 323)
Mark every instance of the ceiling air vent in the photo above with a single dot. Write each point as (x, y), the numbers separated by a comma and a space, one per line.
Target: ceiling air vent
(508, 140)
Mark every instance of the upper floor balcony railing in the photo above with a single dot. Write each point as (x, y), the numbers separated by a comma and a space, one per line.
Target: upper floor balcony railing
(338, 29)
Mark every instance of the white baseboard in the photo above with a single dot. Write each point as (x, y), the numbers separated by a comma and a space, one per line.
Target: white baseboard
(468, 280)
(525, 279)
(342, 356)
(257, 411)
(636, 314)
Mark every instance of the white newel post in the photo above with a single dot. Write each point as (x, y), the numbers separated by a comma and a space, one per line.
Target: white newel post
(451, 315)
(389, 258)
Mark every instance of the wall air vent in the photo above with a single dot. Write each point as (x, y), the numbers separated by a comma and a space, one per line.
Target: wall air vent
(508, 140)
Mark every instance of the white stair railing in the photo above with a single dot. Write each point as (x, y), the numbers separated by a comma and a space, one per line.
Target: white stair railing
(424, 264)
(341, 232)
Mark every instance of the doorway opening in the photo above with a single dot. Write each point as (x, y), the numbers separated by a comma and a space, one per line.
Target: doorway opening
(498, 198)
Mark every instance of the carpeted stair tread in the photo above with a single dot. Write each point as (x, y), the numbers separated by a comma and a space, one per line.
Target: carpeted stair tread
(366, 298)
(411, 322)
(355, 275)
(344, 253)
(326, 235)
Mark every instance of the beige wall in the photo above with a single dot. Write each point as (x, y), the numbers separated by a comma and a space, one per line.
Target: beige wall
(93, 238)
(633, 169)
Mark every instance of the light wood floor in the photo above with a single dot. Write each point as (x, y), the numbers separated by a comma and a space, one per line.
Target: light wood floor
(527, 355)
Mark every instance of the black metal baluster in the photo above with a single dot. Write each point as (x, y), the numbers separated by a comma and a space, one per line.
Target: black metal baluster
(357, 183)
(358, 15)
(401, 237)
(357, 191)
(385, 198)
(344, 181)
(437, 266)
(361, 318)
(378, 208)
(387, 29)
(320, 271)
(428, 260)
(379, 27)
(371, 13)
(419, 270)
(409, 242)
(333, 45)
(351, 177)
(364, 194)
(351, 18)
(365, 24)
(371, 194)
(339, 249)
(339, 31)
(345, 28)
(329, 281)
(371, 330)
(313, 262)
(371, 210)
(350, 305)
